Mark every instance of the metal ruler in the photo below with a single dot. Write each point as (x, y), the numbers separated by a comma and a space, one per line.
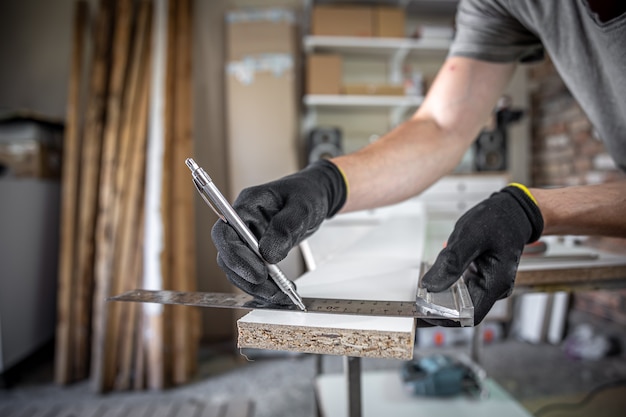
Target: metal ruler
(452, 304)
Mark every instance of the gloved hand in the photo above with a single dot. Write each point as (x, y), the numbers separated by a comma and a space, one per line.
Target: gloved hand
(486, 245)
(280, 214)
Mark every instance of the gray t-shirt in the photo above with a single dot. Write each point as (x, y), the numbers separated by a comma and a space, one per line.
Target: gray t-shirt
(590, 55)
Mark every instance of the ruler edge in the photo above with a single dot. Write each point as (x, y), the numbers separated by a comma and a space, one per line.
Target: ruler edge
(127, 297)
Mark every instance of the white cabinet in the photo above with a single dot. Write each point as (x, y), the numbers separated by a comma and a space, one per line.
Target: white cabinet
(29, 220)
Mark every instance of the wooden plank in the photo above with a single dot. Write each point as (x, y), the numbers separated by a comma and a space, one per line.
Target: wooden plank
(568, 268)
(167, 278)
(130, 181)
(90, 168)
(154, 234)
(185, 320)
(568, 275)
(139, 375)
(103, 362)
(69, 200)
(188, 217)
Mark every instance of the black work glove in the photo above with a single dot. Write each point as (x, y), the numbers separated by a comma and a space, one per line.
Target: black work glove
(485, 247)
(280, 214)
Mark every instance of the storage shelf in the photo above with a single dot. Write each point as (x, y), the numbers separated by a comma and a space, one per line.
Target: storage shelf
(361, 101)
(365, 45)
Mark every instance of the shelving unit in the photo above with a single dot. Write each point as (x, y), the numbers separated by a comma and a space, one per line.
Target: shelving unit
(396, 105)
(344, 100)
(376, 61)
(389, 46)
(394, 50)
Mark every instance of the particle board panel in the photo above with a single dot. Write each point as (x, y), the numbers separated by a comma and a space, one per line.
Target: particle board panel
(565, 267)
(382, 264)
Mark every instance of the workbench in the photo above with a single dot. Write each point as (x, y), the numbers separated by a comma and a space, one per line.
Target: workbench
(375, 255)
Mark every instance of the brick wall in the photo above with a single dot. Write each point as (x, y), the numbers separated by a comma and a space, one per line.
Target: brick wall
(566, 151)
(565, 148)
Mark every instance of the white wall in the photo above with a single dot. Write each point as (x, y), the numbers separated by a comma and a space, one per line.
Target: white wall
(35, 53)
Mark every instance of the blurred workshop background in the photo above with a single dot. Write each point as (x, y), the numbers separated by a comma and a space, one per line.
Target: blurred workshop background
(101, 101)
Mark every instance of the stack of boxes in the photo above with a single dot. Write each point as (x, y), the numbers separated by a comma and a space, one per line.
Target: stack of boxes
(324, 71)
(367, 21)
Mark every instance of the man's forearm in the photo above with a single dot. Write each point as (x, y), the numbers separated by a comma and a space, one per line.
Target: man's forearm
(402, 164)
(584, 210)
(417, 153)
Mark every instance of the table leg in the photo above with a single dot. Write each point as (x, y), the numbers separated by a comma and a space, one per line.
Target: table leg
(352, 368)
(318, 364)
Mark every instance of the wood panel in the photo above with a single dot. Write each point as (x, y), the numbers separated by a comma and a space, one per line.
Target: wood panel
(130, 169)
(185, 320)
(90, 169)
(69, 200)
(103, 357)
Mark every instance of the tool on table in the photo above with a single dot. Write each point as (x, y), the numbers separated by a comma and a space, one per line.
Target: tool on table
(452, 304)
(441, 375)
(211, 194)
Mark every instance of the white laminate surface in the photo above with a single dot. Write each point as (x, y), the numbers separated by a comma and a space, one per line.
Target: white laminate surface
(371, 256)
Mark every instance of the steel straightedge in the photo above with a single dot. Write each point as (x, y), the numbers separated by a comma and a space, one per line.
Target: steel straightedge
(412, 309)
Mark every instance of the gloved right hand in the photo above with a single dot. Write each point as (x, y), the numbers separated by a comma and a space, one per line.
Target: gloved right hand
(280, 214)
(485, 248)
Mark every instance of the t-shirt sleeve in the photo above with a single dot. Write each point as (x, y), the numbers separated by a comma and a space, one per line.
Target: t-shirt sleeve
(486, 30)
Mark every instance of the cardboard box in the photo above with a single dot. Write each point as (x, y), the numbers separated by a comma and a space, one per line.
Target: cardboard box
(373, 89)
(334, 20)
(30, 146)
(323, 74)
(389, 22)
(255, 32)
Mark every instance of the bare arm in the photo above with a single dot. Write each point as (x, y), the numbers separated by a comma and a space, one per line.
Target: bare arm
(585, 210)
(417, 153)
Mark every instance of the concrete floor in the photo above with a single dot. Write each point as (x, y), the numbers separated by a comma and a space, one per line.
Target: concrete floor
(282, 385)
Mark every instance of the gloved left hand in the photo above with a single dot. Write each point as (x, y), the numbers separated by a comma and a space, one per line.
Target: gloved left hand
(485, 248)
